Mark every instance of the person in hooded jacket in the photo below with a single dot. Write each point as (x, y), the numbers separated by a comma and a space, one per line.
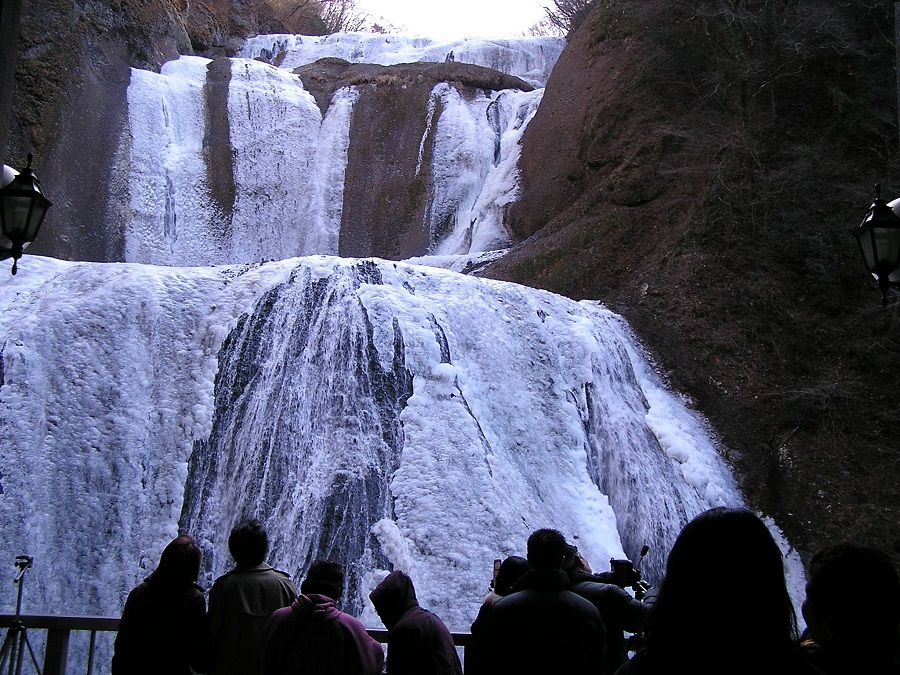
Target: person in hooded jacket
(313, 637)
(418, 641)
(163, 627)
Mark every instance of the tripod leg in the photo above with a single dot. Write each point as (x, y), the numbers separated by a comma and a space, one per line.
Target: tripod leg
(34, 660)
(4, 651)
(10, 649)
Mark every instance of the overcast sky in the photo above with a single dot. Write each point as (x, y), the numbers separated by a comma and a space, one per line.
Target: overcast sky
(458, 18)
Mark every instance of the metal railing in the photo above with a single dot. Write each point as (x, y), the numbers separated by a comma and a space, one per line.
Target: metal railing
(59, 629)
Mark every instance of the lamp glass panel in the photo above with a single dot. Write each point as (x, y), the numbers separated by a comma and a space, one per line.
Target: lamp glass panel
(867, 246)
(16, 210)
(887, 245)
(38, 211)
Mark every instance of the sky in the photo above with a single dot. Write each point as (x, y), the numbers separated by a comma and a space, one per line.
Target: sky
(446, 19)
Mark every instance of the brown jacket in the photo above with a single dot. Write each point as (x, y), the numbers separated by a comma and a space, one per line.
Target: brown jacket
(240, 603)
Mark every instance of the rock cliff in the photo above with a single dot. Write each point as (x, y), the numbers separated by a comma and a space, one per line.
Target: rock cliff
(711, 203)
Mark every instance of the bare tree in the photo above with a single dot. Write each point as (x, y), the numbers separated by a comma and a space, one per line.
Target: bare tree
(342, 16)
(544, 28)
(567, 15)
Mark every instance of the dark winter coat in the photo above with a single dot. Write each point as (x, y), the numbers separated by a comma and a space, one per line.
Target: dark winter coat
(418, 641)
(619, 610)
(791, 663)
(313, 637)
(240, 603)
(542, 628)
(163, 630)
(855, 659)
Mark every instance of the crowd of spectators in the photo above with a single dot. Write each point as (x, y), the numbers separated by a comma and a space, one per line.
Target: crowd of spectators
(547, 613)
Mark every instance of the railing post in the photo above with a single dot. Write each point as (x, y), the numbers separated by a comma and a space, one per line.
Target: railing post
(57, 651)
(91, 649)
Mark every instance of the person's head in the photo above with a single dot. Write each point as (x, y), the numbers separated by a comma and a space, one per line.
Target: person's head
(852, 597)
(393, 597)
(725, 581)
(547, 550)
(324, 578)
(248, 543)
(511, 570)
(179, 564)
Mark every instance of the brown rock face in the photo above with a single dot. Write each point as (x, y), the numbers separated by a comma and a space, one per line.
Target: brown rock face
(710, 203)
(384, 197)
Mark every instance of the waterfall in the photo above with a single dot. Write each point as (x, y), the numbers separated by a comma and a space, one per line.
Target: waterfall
(383, 414)
(233, 161)
(530, 58)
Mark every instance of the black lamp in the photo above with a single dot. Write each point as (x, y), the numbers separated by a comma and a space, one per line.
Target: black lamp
(22, 210)
(879, 240)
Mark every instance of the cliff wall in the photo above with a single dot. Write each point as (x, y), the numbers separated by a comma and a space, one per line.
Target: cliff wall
(701, 176)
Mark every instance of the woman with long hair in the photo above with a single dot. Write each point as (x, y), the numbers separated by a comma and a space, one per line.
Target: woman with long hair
(163, 627)
(723, 606)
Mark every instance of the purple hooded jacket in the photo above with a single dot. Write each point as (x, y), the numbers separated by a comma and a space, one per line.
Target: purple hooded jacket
(312, 636)
(418, 641)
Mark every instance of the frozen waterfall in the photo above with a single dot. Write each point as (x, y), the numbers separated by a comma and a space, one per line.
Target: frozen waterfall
(258, 173)
(530, 58)
(382, 414)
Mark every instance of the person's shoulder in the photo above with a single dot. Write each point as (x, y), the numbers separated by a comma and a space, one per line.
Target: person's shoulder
(579, 601)
(596, 587)
(351, 623)
(282, 573)
(416, 620)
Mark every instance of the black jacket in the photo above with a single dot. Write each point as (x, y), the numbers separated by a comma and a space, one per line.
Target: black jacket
(619, 610)
(542, 628)
(163, 630)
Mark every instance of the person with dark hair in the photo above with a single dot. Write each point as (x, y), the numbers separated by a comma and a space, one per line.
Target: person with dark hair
(619, 610)
(163, 627)
(702, 624)
(313, 637)
(510, 571)
(241, 601)
(852, 611)
(418, 641)
(542, 627)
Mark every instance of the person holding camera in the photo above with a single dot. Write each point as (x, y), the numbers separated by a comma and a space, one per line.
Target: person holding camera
(542, 626)
(619, 610)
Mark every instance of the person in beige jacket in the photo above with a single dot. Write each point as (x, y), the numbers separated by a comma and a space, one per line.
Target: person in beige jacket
(241, 601)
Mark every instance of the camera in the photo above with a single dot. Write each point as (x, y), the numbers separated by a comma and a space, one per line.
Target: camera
(624, 574)
(23, 562)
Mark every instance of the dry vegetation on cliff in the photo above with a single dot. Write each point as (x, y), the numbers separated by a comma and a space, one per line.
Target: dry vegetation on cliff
(698, 166)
